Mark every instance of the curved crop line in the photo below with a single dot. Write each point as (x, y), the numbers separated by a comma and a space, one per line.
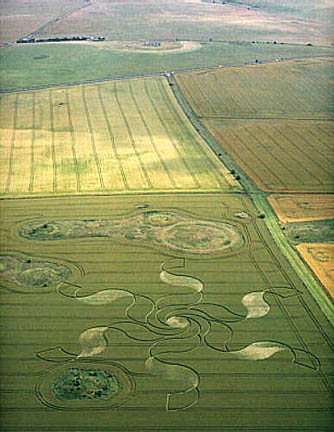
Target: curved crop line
(158, 355)
(134, 296)
(42, 354)
(169, 296)
(294, 352)
(256, 351)
(212, 318)
(295, 292)
(161, 324)
(193, 317)
(228, 339)
(112, 327)
(69, 285)
(175, 369)
(176, 332)
(133, 305)
(177, 328)
(223, 307)
(169, 395)
(171, 278)
(146, 327)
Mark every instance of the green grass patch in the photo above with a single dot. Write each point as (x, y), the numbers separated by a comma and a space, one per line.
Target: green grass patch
(58, 63)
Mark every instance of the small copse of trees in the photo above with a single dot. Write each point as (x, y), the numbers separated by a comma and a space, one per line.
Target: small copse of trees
(61, 39)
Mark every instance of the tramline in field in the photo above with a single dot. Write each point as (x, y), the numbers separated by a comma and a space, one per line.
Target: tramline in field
(125, 136)
(258, 91)
(275, 120)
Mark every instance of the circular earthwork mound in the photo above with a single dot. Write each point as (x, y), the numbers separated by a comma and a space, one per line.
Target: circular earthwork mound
(201, 237)
(85, 385)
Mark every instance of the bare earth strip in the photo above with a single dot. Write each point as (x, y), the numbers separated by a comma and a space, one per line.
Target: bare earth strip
(117, 137)
(320, 257)
(300, 208)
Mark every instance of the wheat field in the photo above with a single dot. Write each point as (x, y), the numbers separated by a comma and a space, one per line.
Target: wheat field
(117, 137)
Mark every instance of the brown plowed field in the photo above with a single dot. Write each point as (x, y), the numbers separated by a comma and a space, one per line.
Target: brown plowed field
(320, 257)
(302, 208)
(282, 155)
(275, 120)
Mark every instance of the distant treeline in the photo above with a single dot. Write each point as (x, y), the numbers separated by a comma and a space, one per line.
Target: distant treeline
(62, 39)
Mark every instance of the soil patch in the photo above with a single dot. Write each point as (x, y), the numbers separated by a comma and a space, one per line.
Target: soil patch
(320, 257)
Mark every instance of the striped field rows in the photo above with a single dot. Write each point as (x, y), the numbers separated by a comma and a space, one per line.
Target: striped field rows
(283, 155)
(297, 90)
(119, 137)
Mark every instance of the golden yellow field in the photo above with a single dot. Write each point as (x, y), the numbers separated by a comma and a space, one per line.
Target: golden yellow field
(116, 137)
(320, 257)
(298, 89)
(302, 208)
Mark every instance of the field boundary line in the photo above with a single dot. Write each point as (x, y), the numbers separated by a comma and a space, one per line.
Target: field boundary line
(74, 155)
(208, 140)
(259, 199)
(225, 117)
(219, 177)
(118, 193)
(92, 139)
(298, 265)
(173, 112)
(284, 310)
(160, 73)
